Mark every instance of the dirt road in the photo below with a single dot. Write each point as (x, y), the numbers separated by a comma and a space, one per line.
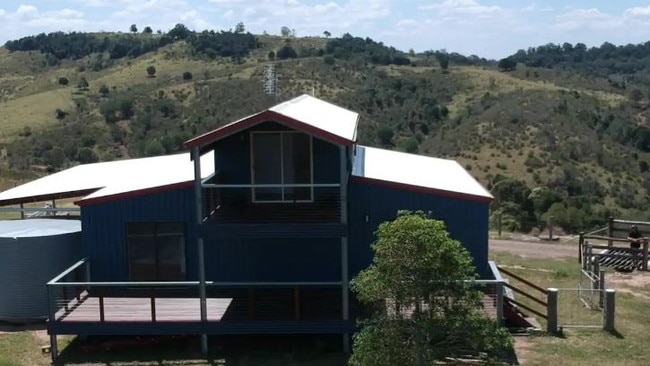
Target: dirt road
(534, 249)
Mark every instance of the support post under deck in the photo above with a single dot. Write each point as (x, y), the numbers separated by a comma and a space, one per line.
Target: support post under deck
(345, 291)
(196, 156)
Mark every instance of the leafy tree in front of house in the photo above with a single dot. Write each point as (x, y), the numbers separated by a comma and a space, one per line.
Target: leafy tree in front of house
(427, 307)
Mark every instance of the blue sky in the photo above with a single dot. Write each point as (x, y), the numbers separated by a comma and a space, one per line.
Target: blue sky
(488, 28)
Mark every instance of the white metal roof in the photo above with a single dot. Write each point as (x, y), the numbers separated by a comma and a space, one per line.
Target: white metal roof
(416, 170)
(321, 115)
(114, 177)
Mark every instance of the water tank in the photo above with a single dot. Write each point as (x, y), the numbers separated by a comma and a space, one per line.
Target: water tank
(32, 252)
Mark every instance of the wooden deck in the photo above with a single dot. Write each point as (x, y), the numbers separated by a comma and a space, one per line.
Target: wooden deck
(134, 309)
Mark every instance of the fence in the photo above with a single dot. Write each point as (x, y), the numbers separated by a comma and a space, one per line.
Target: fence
(588, 306)
(599, 247)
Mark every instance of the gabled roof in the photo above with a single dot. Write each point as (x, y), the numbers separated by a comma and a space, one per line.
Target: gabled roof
(103, 181)
(305, 113)
(417, 172)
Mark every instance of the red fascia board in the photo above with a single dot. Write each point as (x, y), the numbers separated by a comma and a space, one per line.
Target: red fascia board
(423, 190)
(133, 194)
(48, 197)
(265, 116)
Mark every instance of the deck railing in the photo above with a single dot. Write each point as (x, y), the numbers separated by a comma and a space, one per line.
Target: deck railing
(74, 288)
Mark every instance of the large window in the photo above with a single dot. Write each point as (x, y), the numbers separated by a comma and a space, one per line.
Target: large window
(156, 251)
(283, 159)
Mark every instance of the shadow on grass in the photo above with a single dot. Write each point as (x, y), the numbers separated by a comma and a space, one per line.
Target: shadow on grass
(224, 350)
(617, 334)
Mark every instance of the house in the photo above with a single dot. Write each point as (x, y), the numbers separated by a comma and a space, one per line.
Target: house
(257, 230)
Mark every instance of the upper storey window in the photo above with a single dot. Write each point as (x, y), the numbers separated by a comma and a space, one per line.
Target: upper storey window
(281, 166)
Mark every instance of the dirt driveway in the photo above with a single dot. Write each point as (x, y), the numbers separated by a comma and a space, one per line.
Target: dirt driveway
(531, 249)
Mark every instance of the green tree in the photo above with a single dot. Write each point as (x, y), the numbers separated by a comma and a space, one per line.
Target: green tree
(187, 75)
(147, 30)
(133, 28)
(636, 95)
(103, 90)
(86, 155)
(240, 28)
(151, 71)
(385, 134)
(271, 55)
(83, 84)
(507, 64)
(432, 309)
(63, 81)
(154, 148)
(327, 34)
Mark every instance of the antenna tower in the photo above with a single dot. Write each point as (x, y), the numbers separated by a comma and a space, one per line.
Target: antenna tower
(270, 80)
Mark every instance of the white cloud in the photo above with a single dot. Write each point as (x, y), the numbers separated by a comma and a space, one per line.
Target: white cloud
(587, 19)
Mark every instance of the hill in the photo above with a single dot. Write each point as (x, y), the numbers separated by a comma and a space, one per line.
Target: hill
(552, 139)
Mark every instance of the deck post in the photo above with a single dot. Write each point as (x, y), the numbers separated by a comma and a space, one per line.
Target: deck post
(345, 291)
(22, 211)
(610, 310)
(551, 310)
(196, 156)
(500, 303)
(54, 347)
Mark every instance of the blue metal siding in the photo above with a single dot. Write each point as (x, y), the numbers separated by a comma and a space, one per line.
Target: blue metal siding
(276, 259)
(103, 229)
(466, 221)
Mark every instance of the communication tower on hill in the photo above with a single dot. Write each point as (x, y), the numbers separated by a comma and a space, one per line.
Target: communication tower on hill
(271, 80)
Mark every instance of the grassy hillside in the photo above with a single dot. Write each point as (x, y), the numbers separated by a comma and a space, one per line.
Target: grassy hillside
(548, 142)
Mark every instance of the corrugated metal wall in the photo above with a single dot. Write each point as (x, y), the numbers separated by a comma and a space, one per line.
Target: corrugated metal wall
(104, 236)
(276, 259)
(466, 221)
(26, 265)
(238, 259)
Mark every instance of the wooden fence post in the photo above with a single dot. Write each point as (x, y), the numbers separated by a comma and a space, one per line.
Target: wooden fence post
(551, 310)
(610, 230)
(644, 264)
(601, 289)
(500, 292)
(581, 242)
(610, 310)
(499, 217)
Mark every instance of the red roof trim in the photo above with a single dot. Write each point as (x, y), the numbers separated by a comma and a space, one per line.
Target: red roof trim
(133, 194)
(265, 116)
(424, 190)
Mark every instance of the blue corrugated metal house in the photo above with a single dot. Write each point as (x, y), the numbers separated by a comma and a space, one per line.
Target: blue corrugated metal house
(276, 212)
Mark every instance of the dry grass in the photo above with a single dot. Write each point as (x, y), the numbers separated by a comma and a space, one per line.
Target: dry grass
(32, 111)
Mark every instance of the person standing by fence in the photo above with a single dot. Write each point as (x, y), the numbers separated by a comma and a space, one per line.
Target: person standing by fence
(635, 238)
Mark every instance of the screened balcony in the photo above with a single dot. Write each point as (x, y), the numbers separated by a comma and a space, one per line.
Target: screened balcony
(272, 203)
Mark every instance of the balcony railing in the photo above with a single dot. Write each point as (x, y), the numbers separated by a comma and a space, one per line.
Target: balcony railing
(272, 203)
